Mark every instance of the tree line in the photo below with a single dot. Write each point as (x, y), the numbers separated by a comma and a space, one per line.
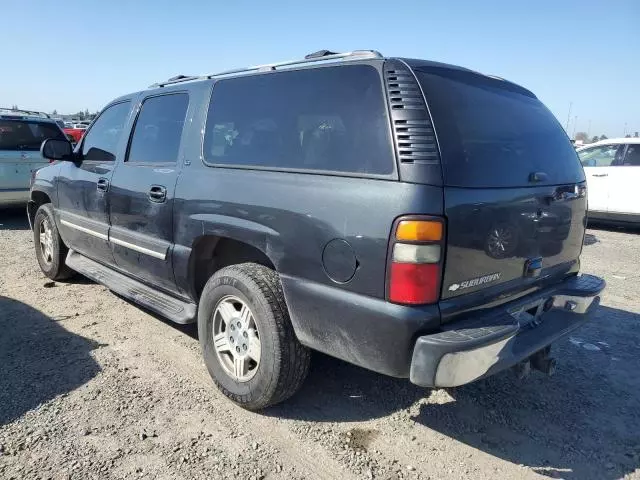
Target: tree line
(584, 137)
(81, 115)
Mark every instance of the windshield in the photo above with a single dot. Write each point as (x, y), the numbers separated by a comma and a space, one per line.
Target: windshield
(495, 134)
(27, 135)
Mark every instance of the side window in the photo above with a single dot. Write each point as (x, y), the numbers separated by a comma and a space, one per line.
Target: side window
(158, 129)
(327, 119)
(101, 141)
(632, 158)
(602, 156)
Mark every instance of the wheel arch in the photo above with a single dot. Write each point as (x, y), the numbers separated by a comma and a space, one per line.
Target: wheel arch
(210, 253)
(36, 200)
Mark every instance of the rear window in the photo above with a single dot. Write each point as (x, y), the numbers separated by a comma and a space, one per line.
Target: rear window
(325, 119)
(494, 134)
(26, 135)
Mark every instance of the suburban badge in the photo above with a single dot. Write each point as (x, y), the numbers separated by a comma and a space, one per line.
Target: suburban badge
(474, 282)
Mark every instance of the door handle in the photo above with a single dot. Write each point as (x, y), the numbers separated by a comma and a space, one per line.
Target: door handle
(103, 184)
(157, 193)
(600, 175)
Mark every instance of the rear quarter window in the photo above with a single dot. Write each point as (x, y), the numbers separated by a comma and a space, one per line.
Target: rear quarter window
(330, 119)
(494, 134)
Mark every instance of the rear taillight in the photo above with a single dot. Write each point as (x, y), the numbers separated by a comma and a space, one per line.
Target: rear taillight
(415, 261)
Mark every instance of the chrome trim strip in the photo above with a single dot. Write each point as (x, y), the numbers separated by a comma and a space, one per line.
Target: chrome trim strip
(138, 248)
(67, 223)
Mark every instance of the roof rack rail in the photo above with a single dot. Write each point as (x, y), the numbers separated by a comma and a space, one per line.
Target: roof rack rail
(319, 56)
(176, 79)
(24, 112)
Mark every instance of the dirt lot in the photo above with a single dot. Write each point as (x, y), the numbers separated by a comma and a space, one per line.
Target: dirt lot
(93, 387)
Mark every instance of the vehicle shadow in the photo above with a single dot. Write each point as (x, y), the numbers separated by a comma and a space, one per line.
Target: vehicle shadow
(590, 239)
(337, 391)
(13, 219)
(582, 423)
(39, 359)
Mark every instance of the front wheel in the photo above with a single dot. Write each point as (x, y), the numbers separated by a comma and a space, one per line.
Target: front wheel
(247, 339)
(50, 249)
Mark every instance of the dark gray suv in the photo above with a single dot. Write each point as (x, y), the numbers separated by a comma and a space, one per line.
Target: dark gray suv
(418, 219)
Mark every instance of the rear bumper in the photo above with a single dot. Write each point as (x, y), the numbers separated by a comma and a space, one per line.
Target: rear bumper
(499, 338)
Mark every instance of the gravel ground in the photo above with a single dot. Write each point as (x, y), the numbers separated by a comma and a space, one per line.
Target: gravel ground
(92, 386)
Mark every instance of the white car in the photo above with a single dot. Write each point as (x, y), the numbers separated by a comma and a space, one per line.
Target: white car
(612, 168)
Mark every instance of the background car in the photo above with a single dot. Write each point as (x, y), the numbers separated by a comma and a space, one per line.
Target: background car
(21, 134)
(75, 132)
(612, 168)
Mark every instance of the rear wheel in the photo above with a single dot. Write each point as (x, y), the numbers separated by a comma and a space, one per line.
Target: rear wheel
(50, 249)
(247, 339)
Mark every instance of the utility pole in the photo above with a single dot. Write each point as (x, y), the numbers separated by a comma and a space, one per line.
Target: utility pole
(589, 130)
(575, 124)
(568, 117)
(625, 129)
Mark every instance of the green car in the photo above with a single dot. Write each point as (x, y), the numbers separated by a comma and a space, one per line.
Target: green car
(21, 134)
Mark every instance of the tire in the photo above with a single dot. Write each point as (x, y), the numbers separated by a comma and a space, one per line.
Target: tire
(52, 252)
(283, 361)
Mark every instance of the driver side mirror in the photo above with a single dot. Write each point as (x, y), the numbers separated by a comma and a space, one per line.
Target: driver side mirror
(54, 149)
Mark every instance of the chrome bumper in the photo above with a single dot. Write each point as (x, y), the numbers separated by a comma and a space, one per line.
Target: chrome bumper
(504, 336)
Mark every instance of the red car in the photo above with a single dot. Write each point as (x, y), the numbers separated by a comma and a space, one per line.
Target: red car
(76, 132)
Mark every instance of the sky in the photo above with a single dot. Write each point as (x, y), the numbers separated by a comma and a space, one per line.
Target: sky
(72, 56)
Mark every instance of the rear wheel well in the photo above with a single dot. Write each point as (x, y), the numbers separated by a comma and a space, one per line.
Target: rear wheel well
(211, 253)
(37, 200)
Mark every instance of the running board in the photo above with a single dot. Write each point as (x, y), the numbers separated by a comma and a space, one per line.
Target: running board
(172, 308)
